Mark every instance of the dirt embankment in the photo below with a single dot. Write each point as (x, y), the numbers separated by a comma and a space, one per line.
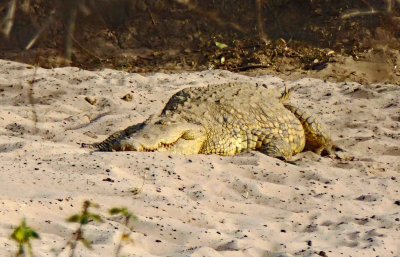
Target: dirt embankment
(333, 40)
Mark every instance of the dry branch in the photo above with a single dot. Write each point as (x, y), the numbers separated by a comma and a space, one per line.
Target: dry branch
(8, 20)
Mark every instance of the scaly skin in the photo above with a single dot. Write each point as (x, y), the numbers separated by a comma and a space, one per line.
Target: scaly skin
(224, 119)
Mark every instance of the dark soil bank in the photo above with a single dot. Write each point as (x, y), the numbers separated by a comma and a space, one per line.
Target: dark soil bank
(334, 40)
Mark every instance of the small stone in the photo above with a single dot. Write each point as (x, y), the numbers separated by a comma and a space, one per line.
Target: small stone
(91, 100)
(108, 180)
(128, 97)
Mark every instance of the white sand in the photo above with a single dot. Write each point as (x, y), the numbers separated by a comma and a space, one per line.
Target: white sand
(199, 205)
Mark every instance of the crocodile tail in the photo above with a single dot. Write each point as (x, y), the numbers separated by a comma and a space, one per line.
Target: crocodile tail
(317, 136)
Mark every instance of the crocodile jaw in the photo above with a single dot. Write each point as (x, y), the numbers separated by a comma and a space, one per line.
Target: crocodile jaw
(180, 138)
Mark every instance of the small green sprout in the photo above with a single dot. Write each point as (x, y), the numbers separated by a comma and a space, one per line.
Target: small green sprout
(128, 216)
(23, 235)
(82, 219)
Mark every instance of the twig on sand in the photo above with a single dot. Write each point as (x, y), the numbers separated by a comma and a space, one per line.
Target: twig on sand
(31, 100)
(249, 67)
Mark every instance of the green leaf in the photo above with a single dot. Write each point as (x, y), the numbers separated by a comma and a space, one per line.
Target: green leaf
(95, 217)
(221, 45)
(124, 212)
(22, 234)
(86, 243)
(115, 211)
(133, 217)
(84, 219)
(18, 235)
(34, 234)
(75, 218)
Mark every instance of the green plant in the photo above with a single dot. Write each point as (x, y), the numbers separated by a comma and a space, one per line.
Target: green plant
(128, 217)
(82, 219)
(23, 235)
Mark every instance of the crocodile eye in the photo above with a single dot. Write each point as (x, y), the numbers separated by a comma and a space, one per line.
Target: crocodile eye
(188, 135)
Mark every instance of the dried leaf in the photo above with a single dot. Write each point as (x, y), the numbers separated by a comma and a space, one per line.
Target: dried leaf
(221, 45)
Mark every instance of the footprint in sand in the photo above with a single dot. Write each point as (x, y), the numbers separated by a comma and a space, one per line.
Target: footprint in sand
(361, 93)
(6, 148)
(393, 151)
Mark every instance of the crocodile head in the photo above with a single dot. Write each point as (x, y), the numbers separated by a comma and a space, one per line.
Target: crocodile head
(174, 137)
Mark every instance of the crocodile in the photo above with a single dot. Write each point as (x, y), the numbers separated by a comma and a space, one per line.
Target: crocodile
(225, 119)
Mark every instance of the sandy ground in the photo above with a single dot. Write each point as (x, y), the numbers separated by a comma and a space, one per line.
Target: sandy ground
(246, 205)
